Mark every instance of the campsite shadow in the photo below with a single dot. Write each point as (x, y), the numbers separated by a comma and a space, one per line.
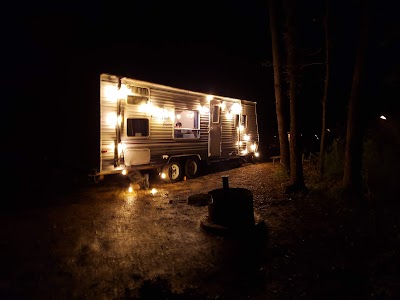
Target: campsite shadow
(241, 260)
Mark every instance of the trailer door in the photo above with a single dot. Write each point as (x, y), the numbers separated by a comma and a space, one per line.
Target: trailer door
(214, 136)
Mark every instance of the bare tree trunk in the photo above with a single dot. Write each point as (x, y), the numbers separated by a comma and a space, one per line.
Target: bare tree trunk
(324, 99)
(296, 164)
(280, 114)
(352, 178)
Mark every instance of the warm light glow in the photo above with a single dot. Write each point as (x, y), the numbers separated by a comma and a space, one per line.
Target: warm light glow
(120, 148)
(209, 98)
(163, 176)
(244, 152)
(111, 93)
(236, 108)
(203, 109)
(130, 190)
(123, 92)
(130, 197)
(253, 147)
(153, 191)
(256, 154)
(146, 107)
(111, 119)
(241, 127)
(119, 119)
(223, 105)
(246, 137)
(157, 112)
(124, 172)
(166, 114)
(228, 115)
(383, 117)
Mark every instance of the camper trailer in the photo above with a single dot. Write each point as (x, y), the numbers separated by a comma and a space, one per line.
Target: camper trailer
(174, 131)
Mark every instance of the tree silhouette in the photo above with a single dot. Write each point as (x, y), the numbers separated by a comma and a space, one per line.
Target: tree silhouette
(296, 165)
(279, 100)
(352, 177)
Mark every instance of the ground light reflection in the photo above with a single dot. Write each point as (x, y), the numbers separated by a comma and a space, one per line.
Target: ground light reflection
(130, 196)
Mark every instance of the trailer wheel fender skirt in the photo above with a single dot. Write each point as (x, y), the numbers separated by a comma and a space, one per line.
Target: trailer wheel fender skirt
(173, 171)
(192, 167)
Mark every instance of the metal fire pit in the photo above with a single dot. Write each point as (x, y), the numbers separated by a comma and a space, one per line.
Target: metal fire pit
(229, 210)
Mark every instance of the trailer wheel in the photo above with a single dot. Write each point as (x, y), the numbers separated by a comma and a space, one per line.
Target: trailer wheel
(192, 167)
(173, 172)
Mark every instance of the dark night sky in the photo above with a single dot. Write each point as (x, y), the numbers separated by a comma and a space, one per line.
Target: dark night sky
(56, 54)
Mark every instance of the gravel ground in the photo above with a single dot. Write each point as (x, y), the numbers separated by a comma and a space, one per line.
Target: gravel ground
(100, 242)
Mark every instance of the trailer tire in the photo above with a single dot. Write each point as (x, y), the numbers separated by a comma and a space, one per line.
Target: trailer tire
(192, 167)
(173, 172)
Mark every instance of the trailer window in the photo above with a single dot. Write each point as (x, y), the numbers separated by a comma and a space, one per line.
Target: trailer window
(187, 124)
(215, 115)
(237, 119)
(137, 127)
(244, 121)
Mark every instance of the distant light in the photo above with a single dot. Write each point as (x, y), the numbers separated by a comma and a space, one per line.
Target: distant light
(130, 190)
(328, 130)
(153, 191)
(383, 117)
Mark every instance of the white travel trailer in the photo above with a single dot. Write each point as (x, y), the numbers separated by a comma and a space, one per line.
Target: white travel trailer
(174, 131)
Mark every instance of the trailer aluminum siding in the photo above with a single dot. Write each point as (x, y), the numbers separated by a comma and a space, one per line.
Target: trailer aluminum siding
(160, 141)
